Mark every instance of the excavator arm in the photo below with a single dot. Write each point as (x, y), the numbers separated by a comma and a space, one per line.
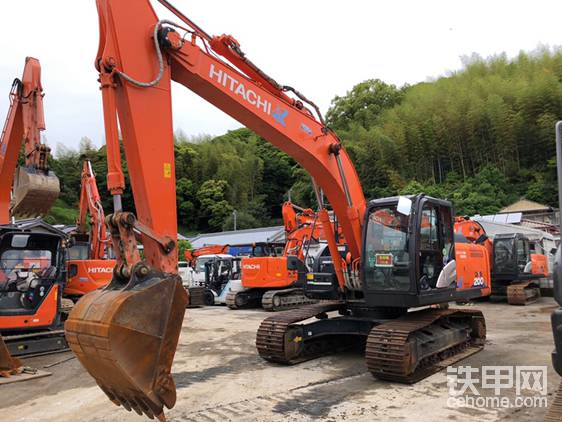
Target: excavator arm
(90, 204)
(191, 256)
(35, 188)
(126, 334)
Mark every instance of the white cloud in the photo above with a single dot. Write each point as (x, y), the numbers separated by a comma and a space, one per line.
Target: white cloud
(320, 47)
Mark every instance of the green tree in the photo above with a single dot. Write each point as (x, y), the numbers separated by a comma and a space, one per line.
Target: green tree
(214, 207)
(183, 245)
(363, 104)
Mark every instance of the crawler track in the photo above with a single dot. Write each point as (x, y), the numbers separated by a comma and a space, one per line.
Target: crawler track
(196, 297)
(279, 341)
(555, 411)
(37, 343)
(280, 300)
(421, 343)
(523, 293)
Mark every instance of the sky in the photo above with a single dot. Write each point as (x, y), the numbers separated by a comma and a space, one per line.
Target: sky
(320, 47)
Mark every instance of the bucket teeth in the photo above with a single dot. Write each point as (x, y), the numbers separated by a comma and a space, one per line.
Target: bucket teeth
(126, 339)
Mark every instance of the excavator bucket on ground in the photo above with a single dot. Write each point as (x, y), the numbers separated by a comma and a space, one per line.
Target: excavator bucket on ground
(34, 192)
(8, 365)
(126, 337)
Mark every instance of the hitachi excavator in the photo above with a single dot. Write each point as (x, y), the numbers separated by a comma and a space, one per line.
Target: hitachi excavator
(515, 270)
(126, 334)
(32, 272)
(88, 264)
(276, 282)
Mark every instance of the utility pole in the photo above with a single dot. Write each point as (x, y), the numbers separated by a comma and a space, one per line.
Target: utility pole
(234, 218)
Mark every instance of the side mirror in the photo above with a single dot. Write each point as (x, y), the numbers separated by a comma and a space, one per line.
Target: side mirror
(404, 205)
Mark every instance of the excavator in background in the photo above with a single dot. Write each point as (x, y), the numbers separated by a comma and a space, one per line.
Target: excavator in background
(194, 276)
(515, 270)
(32, 278)
(191, 256)
(32, 271)
(88, 264)
(276, 282)
(126, 334)
(35, 187)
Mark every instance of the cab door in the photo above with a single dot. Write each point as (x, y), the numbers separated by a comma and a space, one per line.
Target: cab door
(435, 242)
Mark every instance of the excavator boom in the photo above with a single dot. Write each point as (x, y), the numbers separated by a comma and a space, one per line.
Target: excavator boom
(126, 334)
(89, 266)
(35, 187)
(90, 204)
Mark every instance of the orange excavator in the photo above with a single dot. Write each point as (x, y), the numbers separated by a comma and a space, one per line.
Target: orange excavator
(32, 271)
(126, 334)
(276, 282)
(35, 187)
(191, 256)
(88, 265)
(515, 270)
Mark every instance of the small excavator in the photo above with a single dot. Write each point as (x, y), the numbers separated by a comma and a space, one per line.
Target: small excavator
(88, 264)
(32, 278)
(32, 269)
(276, 282)
(401, 253)
(515, 270)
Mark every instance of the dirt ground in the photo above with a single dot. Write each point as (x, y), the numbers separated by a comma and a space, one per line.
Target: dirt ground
(219, 377)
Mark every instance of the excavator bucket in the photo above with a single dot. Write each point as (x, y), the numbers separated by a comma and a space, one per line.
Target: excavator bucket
(34, 193)
(8, 364)
(126, 337)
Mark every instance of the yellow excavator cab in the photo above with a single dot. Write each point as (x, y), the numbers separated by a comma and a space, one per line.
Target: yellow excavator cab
(34, 192)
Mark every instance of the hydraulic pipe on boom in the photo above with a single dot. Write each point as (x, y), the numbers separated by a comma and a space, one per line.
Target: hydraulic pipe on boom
(35, 187)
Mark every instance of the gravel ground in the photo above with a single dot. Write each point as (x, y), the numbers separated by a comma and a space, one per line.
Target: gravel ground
(220, 377)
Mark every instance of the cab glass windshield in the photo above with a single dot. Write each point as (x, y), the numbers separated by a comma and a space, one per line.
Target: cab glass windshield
(387, 261)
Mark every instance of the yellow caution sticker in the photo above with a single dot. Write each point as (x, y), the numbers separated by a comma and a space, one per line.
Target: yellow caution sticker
(297, 339)
(167, 170)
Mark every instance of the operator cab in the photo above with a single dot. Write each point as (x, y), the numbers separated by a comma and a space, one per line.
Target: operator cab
(512, 257)
(31, 265)
(262, 249)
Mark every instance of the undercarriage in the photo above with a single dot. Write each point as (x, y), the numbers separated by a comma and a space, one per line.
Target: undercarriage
(518, 292)
(270, 300)
(399, 346)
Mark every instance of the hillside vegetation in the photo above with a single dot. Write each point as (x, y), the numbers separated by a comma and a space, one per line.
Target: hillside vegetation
(482, 136)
